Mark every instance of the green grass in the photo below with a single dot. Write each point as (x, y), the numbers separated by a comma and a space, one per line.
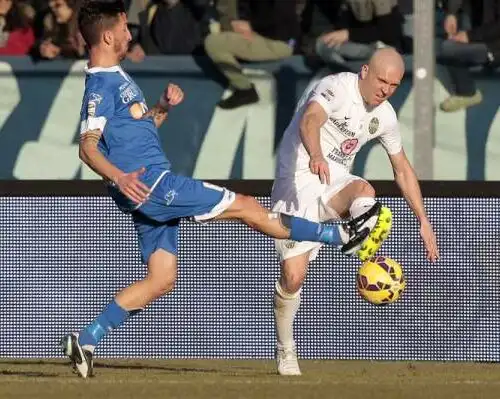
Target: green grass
(252, 379)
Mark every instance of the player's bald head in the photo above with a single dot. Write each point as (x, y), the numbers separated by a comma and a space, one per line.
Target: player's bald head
(381, 76)
(387, 60)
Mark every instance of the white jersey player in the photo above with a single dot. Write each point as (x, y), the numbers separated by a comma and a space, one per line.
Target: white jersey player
(332, 122)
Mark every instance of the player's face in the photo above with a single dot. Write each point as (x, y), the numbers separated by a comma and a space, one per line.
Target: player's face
(121, 37)
(382, 82)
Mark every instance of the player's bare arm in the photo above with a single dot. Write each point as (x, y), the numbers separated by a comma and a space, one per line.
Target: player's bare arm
(313, 119)
(158, 113)
(172, 96)
(408, 183)
(128, 183)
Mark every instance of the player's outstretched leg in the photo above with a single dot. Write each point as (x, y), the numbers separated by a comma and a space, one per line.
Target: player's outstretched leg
(282, 226)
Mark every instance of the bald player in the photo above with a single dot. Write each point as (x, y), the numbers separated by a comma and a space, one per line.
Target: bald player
(332, 122)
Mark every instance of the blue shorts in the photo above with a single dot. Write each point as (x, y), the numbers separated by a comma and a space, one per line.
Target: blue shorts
(174, 197)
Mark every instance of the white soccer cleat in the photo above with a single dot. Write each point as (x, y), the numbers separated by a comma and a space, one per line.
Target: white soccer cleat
(286, 359)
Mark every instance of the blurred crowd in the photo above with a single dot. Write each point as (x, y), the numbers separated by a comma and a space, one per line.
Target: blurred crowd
(326, 32)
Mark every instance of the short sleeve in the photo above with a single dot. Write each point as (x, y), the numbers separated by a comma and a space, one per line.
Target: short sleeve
(97, 108)
(391, 139)
(328, 94)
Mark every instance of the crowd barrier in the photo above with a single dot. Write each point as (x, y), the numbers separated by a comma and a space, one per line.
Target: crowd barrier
(65, 250)
(40, 118)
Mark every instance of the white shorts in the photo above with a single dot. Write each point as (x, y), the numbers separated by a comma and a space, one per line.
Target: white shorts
(307, 197)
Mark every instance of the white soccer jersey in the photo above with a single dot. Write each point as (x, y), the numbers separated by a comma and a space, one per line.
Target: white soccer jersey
(349, 126)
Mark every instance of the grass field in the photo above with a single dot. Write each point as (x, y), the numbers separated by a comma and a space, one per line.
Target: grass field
(224, 379)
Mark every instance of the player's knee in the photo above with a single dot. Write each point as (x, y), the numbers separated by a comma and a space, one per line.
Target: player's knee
(213, 44)
(364, 189)
(291, 281)
(245, 205)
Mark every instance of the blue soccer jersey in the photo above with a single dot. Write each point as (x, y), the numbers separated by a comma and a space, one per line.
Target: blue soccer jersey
(113, 103)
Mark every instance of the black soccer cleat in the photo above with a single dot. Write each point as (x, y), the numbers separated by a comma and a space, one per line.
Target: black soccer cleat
(81, 359)
(368, 232)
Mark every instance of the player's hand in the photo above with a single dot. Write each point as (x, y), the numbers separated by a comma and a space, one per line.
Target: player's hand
(429, 238)
(130, 185)
(172, 96)
(319, 166)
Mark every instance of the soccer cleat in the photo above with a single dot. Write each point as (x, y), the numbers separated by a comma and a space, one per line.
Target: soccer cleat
(286, 359)
(368, 231)
(81, 358)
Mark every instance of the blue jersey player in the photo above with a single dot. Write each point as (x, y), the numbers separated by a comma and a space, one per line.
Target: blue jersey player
(119, 141)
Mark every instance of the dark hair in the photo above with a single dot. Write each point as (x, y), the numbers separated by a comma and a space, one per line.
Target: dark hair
(17, 17)
(95, 16)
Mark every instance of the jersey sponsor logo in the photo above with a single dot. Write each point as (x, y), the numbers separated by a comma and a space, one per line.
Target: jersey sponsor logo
(328, 95)
(94, 100)
(342, 126)
(348, 146)
(128, 94)
(373, 125)
(339, 157)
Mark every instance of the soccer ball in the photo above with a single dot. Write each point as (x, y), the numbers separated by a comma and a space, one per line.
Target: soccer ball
(380, 280)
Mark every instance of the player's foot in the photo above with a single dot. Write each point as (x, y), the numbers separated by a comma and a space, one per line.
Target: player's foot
(81, 358)
(286, 359)
(368, 232)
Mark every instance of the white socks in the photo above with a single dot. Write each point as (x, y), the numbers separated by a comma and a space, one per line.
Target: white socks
(285, 308)
(361, 205)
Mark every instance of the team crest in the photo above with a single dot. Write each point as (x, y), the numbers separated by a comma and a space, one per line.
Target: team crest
(289, 244)
(170, 196)
(373, 126)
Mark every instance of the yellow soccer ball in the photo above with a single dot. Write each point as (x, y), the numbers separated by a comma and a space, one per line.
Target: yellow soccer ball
(380, 280)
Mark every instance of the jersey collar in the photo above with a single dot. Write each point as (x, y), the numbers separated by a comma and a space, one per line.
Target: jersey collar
(114, 68)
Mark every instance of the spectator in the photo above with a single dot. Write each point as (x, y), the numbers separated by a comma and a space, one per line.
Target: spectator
(464, 48)
(167, 27)
(406, 10)
(318, 18)
(60, 36)
(361, 27)
(16, 34)
(265, 30)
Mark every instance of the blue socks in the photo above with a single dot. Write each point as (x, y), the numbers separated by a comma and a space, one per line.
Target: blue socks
(111, 317)
(305, 230)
